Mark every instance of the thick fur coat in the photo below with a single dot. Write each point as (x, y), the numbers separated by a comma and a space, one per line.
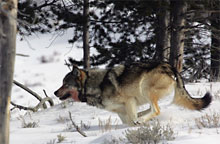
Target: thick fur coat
(122, 89)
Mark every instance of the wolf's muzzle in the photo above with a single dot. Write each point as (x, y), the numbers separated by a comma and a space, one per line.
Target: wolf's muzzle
(65, 96)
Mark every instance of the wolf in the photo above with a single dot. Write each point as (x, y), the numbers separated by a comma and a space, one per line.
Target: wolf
(123, 88)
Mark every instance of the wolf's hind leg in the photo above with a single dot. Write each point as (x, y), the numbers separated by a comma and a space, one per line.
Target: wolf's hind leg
(140, 114)
(150, 113)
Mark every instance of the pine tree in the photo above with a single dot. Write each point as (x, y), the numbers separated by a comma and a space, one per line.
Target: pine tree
(178, 8)
(215, 41)
(128, 31)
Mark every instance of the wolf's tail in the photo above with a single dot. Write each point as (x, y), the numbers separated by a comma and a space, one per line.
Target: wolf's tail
(183, 98)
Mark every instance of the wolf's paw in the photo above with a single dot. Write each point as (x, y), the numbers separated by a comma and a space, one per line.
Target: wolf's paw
(136, 122)
(140, 121)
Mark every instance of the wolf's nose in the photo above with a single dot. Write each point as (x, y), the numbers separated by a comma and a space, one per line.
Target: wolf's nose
(55, 93)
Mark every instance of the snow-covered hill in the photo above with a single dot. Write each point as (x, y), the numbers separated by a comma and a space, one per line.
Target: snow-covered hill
(45, 69)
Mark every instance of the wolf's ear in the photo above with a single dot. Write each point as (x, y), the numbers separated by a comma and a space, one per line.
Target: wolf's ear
(75, 71)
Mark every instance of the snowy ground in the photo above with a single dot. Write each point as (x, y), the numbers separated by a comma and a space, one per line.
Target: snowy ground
(54, 121)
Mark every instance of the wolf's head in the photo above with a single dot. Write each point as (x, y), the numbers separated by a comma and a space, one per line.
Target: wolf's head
(73, 85)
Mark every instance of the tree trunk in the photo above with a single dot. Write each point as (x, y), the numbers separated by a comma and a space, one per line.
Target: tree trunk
(8, 14)
(86, 50)
(215, 47)
(178, 8)
(162, 33)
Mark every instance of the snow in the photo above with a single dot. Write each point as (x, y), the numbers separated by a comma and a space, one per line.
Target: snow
(55, 120)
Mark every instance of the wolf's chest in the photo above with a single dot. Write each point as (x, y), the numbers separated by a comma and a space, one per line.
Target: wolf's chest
(112, 105)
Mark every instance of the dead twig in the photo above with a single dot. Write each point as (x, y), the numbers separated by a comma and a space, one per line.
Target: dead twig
(21, 107)
(23, 55)
(76, 127)
(33, 109)
(38, 106)
(42, 102)
(68, 64)
(50, 101)
(29, 91)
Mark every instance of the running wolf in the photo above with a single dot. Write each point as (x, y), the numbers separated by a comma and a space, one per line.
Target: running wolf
(121, 89)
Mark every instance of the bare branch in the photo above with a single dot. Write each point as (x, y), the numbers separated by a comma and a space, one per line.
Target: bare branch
(69, 65)
(42, 100)
(36, 108)
(46, 3)
(23, 55)
(49, 100)
(21, 107)
(77, 128)
(29, 91)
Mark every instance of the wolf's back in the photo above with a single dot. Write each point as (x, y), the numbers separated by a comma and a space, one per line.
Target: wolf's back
(183, 98)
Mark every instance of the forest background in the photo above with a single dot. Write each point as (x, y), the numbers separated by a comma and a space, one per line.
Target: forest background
(184, 33)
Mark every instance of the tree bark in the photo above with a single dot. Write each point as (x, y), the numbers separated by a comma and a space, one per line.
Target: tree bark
(215, 47)
(86, 50)
(8, 14)
(178, 9)
(162, 33)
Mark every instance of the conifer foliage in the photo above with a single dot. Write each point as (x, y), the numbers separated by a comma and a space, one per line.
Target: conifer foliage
(133, 30)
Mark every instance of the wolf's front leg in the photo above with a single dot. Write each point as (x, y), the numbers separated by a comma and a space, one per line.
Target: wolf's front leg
(131, 111)
(112, 78)
(124, 118)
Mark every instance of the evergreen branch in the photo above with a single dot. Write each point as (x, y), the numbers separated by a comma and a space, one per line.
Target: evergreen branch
(46, 4)
(109, 22)
(75, 62)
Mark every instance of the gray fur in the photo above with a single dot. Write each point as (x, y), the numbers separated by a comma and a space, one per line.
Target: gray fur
(99, 77)
(122, 89)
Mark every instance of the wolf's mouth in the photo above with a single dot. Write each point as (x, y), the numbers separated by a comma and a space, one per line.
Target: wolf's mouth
(65, 96)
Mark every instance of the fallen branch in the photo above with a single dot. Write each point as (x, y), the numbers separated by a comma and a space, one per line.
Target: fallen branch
(21, 107)
(42, 102)
(49, 100)
(33, 109)
(29, 91)
(76, 127)
(23, 55)
(38, 106)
